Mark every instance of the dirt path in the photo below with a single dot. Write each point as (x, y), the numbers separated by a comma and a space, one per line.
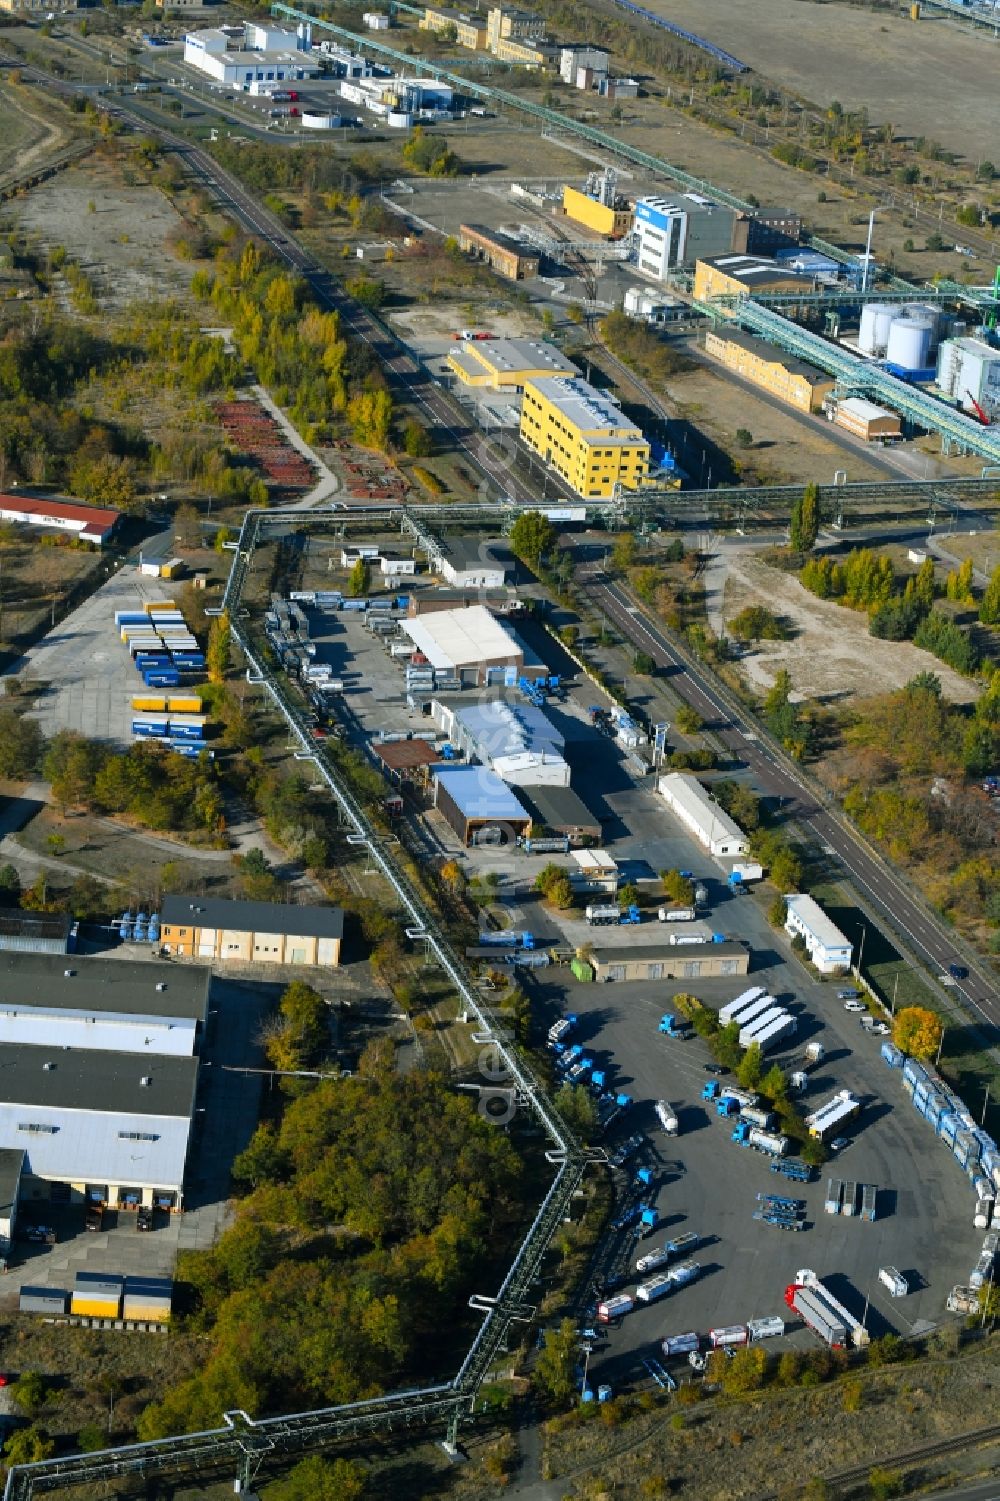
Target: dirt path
(831, 655)
(53, 137)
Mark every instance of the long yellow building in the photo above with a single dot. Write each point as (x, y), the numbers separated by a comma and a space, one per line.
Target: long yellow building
(469, 31)
(505, 364)
(586, 438)
(742, 276)
(791, 380)
(614, 222)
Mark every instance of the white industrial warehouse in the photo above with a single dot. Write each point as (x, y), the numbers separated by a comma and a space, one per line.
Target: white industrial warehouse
(100, 1067)
(702, 815)
(514, 739)
(240, 56)
(472, 645)
(826, 945)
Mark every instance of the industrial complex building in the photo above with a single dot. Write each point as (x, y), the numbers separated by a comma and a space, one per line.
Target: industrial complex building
(472, 646)
(251, 932)
(826, 945)
(478, 805)
(505, 364)
(35, 932)
(865, 419)
(559, 810)
(470, 562)
(239, 56)
(791, 380)
(469, 31)
(586, 438)
(100, 1068)
(742, 276)
(694, 961)
(507, 257)
(90, 523)
(673, 232)
(612, 219)
(699, 812)
(512, 737)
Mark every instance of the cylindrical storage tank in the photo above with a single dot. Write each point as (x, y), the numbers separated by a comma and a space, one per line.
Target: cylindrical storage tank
(926, 312)
(884, 316)
(909, 343)
(873, 335)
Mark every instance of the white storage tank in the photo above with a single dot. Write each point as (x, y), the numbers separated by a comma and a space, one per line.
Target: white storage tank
(925, 312)
(909, 343)
(319, 122)
(875, 320)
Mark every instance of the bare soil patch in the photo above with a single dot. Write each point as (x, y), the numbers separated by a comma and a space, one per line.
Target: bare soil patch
(116, 232)
(37, 583)
(831, 655)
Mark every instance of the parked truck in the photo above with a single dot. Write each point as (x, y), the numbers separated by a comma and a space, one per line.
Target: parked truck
(605, 915)
(615, 1308)
(667, 1117)
(506, 938)
(771, 1032)
(668, 1026)
(761, 1141)
(816, 1316)
(894, 1281)
(681, 1344)
(731, 1009)
(855, 1331)
(745, 1098)
(794, 1169)
(832, 1114)
(755, 1116)
(560, 1030)
(656, 1287)
(730, 1336)
(743, 873)
(701, 936)
(677, 914)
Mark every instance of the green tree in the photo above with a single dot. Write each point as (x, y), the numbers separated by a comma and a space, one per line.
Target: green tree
(359, 579)
(222, 536)
(989, 605)
(417, 440)
(70, 765)
(578, 1108)
(30, 1392)
(319, 1479)
(91, 1438)
(10, 885)
(643, 664)
(745, 1372)
(680, 889)
(628, 894)
(757, 623)
(218, 649)
(623, 553)
(688, 720)
(884, 1484)
(958, 584)
(20, 745)
(555, 1367)
(804, 522)
(28, 1446)
(751, 1069)
(744, 437)
(532, 536)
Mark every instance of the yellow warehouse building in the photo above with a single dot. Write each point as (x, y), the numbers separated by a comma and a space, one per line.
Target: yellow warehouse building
(586, 438)
(613, 223)
(505, 364)
(468, 31)
(791, 380)
(742, 276)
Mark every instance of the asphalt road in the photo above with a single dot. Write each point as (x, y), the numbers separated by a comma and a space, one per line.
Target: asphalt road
(885, 892)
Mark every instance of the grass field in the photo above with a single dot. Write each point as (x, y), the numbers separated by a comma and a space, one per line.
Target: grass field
(906, 73)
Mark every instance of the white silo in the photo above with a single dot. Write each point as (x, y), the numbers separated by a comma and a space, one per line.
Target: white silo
(868, 340)
(884, 317)
(909, 343)
(926, 313)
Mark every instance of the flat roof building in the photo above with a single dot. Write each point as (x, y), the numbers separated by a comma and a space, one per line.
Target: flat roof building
(478, 805)
(99, 1125)
(137, 1008)
(586, 438)
(471, 645)
(689, 961)
(673, 232)
(511, 258)
(743, 276)
(251, 932)
(706, 819)
(513, 738)
(826, 945)
(34, 932)
(470, 31)
(562, 811)
(471, 562)
(793, 381)
(505, 364)
(865, 419)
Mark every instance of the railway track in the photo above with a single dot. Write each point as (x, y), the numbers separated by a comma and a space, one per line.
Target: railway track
(936, 1449)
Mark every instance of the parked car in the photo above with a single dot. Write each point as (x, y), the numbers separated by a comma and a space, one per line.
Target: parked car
(715, 1068)
(839, 1143)
(144, 1219)
(855, 1006)
(958, 971)
(881, 1029)
(848, 995)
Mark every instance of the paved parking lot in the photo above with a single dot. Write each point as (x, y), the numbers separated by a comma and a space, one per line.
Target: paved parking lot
(85, 666)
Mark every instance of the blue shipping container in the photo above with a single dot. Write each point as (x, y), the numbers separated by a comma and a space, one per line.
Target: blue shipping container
(913, 1071)
(150, 731)
(947, 1127)
(354, 604)
(163, 678)
(892, 1056)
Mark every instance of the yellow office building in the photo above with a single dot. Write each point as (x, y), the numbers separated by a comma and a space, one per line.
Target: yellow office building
(612, 221)
(791, 380)
(506, 364)
(586, 438)
(469, 32)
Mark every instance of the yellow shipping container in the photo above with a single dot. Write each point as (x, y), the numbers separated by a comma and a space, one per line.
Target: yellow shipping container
(146, 1313)
(91, 1305)
(155, 605)
(150, 702)
(186, 703)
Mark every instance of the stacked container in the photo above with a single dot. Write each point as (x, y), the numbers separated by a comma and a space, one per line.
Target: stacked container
(97, 1295)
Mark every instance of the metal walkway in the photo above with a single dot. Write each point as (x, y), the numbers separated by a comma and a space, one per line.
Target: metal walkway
(858, 377)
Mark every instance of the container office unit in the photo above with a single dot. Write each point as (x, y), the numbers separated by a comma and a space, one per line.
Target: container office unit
(148, 1299)
(52, 1301)
(97, 1295)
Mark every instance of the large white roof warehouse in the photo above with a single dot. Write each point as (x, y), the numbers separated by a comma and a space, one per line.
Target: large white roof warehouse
(465, 642)
(688, 800)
